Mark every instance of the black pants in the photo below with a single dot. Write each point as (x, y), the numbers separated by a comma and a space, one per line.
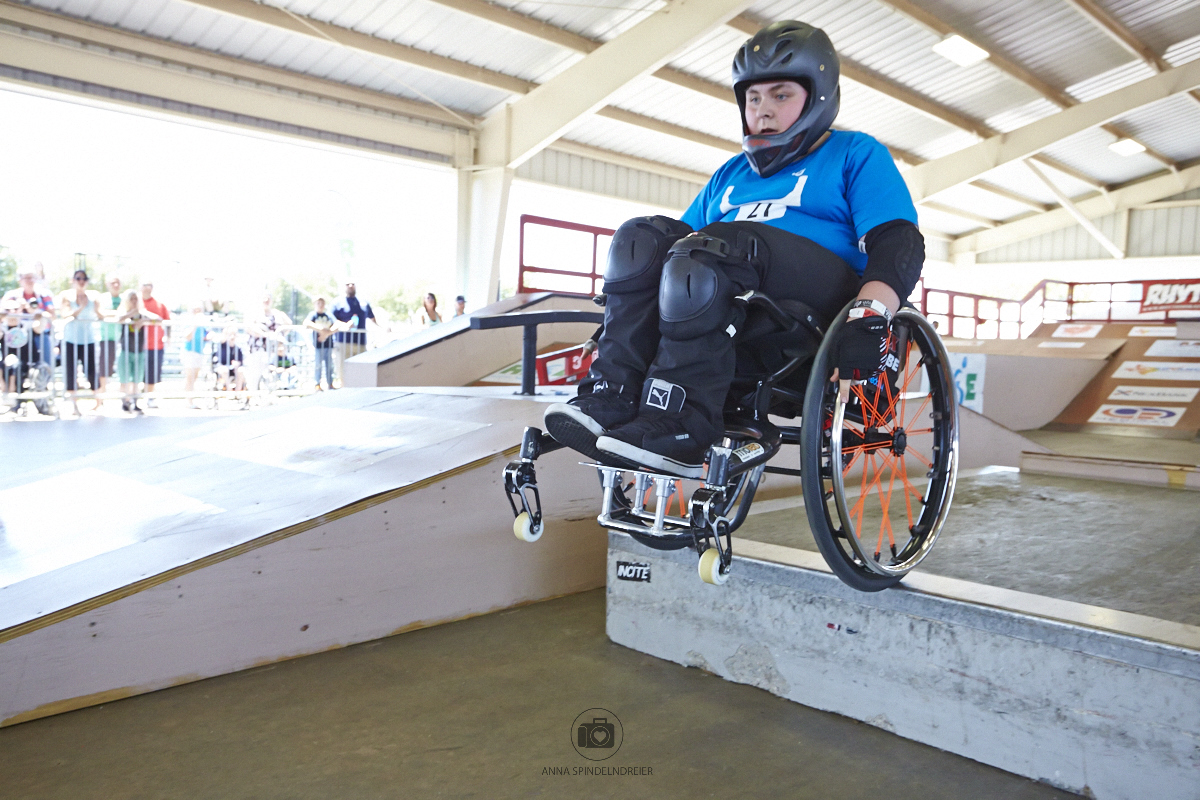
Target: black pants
(76, 353)
(633, 351)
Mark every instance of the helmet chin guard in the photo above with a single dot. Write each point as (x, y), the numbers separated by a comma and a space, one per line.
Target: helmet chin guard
(792, 51)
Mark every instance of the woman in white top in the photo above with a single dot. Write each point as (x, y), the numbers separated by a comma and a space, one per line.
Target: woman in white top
(78, 306)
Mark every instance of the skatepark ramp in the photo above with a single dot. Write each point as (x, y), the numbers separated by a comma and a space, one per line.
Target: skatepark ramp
(1132, 379)
(451, 354)
(312, 525)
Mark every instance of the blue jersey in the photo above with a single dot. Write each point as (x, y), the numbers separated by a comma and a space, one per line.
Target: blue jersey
(832, 196)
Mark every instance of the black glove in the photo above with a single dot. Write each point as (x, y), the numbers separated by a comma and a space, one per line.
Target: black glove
(861, 347)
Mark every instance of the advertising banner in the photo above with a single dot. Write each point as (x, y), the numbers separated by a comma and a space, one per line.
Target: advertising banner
(1076, 330)
(1159, 370)
(969, 369)
(1174, 348)
(1157, 416)
(1155, 331)
(1153, 394)
(1181, 295)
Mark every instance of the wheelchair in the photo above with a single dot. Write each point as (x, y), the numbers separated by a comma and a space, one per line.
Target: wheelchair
(877, 469)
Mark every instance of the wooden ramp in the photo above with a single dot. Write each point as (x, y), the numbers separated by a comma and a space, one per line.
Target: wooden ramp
(1149, 387)
(320, 523)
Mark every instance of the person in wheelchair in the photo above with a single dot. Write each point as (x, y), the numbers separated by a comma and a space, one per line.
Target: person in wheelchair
(811, 217)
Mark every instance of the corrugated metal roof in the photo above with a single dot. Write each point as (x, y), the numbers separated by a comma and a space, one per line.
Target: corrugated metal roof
(1157, 23)
(1110, 80)
(1089, 153)
(621, 138)
(594, 20)
(1157, 125)
(1047, 37)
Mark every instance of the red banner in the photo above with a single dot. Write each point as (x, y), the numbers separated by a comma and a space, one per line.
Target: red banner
(1182, 295)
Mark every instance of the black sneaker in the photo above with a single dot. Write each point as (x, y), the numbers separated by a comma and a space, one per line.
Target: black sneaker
(579, 422)
(658, 442)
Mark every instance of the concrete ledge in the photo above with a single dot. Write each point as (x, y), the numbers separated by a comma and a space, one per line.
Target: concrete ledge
(1175, 476)
(1086, 699)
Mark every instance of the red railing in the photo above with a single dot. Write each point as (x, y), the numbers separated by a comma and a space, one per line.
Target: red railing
(565, 258)
(971, 316)
(577, 252)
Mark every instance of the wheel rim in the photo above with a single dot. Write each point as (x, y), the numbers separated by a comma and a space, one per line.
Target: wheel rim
(894, 477)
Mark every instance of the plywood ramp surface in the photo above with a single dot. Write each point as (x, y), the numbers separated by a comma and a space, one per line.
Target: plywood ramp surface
(123, 516)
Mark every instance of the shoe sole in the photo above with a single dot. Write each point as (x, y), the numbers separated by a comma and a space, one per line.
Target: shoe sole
(572, 428)
(637, 458)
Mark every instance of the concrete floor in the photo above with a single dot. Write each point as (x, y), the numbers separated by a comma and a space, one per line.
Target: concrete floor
(1116, 545)
(477, 709)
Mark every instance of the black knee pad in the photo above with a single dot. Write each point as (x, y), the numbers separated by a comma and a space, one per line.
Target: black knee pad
(695, 297)
(637, 252)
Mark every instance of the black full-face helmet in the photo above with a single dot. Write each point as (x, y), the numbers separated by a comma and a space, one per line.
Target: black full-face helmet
(791, 51)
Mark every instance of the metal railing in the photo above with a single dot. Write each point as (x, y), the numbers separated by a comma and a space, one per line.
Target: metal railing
(971, 316)
(556, 239)
(49, 365)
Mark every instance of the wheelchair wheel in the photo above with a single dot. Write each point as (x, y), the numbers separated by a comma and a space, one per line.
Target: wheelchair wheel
(887, 458)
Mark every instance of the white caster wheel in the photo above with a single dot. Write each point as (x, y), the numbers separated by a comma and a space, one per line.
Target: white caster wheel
(524, 528)
(710, 568)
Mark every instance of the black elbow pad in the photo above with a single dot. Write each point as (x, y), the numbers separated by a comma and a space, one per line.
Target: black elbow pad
(895, 255)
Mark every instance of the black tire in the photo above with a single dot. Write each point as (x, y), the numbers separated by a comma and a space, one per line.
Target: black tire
(873, 425)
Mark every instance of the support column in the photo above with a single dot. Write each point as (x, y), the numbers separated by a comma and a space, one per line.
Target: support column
(482, 210)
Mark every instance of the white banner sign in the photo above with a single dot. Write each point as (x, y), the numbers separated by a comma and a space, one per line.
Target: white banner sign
(1156, 331)
(1153, 394)
(969, 370)
(1158, 416)
(1159, 370)
(1061, 344)
(1075, 330)
(1174, 348)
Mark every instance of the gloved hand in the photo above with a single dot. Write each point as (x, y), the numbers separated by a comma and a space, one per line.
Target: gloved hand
(861, 347)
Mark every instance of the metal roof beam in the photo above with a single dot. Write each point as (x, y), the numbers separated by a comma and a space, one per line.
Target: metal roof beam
(1133, 195)
(1074, 211)
(88, 65)
(972, 162)
(516, 132)
(22, 16)
(322, 31)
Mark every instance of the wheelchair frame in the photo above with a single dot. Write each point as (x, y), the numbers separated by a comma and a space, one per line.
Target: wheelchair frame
(737, 463)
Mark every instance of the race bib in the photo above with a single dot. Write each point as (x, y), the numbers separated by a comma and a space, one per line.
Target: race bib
(757, 212)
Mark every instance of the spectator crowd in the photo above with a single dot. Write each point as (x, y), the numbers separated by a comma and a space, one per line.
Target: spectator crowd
(121, 343)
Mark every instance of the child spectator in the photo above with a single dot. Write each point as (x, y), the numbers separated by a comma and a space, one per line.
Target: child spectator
(229, 361)
(323, 327)
(131, 363)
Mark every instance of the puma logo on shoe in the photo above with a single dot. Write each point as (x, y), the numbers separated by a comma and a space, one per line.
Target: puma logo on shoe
(664, 395)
